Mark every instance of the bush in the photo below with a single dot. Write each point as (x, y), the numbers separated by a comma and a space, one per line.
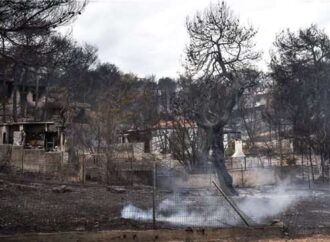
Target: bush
(230, 149)
(290, 160)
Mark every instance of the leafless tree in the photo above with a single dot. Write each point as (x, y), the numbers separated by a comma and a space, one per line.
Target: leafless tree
(220, 59)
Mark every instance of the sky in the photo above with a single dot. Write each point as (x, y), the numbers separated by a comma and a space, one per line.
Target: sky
(148, 37)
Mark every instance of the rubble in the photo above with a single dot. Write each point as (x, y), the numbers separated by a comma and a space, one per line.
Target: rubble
(21, 187)
(62, 189)
(277, 222)
(116, 189)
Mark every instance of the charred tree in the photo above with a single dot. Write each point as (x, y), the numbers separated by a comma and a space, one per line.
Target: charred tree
(300, 69)
(219, 58)
(25, 28)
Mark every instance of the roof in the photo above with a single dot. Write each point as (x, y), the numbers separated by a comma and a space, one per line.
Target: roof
(183, 123)
(29, 123)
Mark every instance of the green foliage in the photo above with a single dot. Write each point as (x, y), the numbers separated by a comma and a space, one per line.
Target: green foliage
(230, 149)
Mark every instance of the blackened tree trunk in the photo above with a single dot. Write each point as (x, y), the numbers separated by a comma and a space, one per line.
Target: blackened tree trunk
(4, 85)
(4, 100)
(19, 76)
(14, 108)
(212, 139)
(218, 160)
(35, 110)
(219, 58)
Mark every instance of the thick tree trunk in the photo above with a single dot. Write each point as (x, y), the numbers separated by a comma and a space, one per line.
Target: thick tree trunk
(218, 159)
(17, 80)
(35, 111)
(4, 85)
(4, 100)
(14, 112)
(4, 111)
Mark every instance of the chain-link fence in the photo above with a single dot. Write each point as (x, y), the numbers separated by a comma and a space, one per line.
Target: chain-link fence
(181, 200)
(132, 193)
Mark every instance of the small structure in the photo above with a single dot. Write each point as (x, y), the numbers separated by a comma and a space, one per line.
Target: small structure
(238, 150)
(42, 135)
(239, 155)
(157, 139)
(162, 132)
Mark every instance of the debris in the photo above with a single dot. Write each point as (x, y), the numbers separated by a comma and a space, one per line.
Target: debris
(18, 186)
(61, 189)
(81, 228)
(189, 229)
(24, 187)
(115, 189)
(277, 222)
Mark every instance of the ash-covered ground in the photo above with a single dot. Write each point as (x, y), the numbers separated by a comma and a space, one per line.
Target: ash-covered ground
(261, 206)
(31, 204)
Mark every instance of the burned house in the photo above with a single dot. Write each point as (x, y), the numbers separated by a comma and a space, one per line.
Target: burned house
(30, 115)
(26, 99)
(33, 135)
(159, 139)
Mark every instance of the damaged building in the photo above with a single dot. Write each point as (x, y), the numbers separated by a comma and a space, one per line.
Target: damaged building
(33, 135)
(30, 115)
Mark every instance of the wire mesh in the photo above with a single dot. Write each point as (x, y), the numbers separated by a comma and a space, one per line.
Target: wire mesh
(196, 208)
(128, 196)
(182, 202)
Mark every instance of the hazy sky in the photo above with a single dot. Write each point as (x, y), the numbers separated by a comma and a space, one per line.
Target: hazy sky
(148, 36)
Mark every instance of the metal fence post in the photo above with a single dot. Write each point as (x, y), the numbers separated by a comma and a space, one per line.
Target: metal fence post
(233, 205)
(242, 173)
(154, 196)
(83, 168)
(329, 174)
(302, 166)
(309, 179)
(132, 172)
(22, 159)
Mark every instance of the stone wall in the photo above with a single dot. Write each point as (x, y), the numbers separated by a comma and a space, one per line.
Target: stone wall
(253, 177)
(17, 156)
(138, 150)
(5, 153)
(93, 167)
(36, 160)
(121, 169)
(241, 178)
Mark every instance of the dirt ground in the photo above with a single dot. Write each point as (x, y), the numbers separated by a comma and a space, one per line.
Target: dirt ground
(309, 216)
(35, 207)
(29, 204)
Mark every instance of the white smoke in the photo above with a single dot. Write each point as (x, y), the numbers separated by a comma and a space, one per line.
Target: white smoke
(180, 212)
(211, 210)
(135, 213)
(262, 204)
